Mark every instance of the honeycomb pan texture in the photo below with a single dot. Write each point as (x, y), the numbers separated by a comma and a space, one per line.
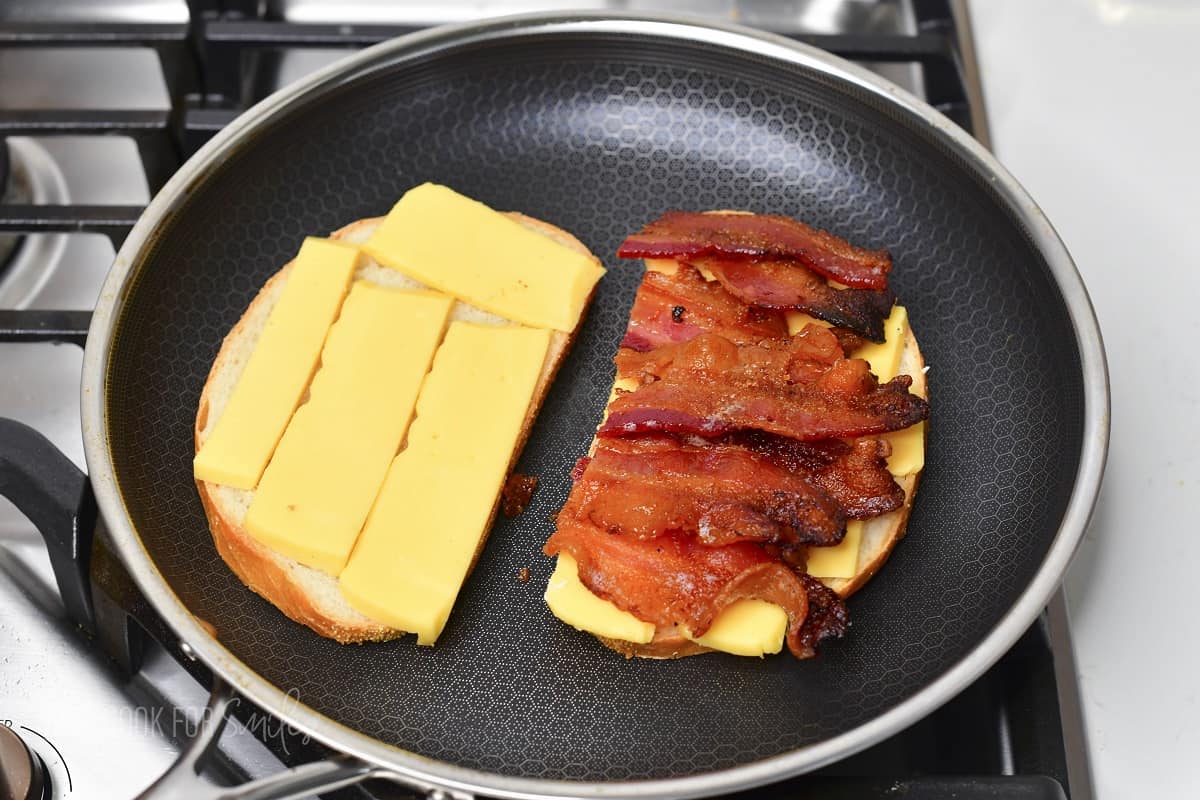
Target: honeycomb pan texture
(598, 136)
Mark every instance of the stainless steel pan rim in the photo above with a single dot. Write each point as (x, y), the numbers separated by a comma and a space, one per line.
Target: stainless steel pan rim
(433, 774)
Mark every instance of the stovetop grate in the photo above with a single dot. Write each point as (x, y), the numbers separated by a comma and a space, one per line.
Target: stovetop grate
(207, 64)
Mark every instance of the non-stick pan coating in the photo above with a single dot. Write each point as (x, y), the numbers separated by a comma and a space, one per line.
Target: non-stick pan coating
(599, 135)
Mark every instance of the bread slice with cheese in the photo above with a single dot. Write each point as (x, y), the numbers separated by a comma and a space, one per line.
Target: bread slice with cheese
(754, 627)
(305, 594)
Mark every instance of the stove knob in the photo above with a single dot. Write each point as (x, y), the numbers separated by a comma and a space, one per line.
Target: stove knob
(22, 774)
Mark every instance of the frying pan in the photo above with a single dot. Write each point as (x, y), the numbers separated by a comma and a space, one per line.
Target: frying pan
(598, 125)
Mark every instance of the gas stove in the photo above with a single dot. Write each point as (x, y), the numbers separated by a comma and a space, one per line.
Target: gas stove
(99, 103)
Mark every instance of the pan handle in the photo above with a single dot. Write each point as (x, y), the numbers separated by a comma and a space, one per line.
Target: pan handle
(183, 782)
(49, 489)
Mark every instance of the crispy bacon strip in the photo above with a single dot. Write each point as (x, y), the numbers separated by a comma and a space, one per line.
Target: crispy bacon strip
(853, 473)
(802, 388)
(684, 234)
(780, 283)
(817, 347)
(827, 617)
(849, 340)
(720, 493)
(674, 308)
(676, 580)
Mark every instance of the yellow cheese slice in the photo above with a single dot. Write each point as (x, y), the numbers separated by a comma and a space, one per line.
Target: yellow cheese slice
(841, 560)
(669, 266)
(315, 494)
(273, 381)
(746, 628)
(796, 320)
(908, 450)
(422, 534)
(464, 248)
(575, 605)
(884, 358)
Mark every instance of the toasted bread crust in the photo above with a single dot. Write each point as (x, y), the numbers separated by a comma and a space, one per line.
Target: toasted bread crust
(281, 581)
(267, 574)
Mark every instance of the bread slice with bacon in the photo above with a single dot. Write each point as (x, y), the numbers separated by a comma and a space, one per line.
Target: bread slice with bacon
(879, 536)
(654, 321)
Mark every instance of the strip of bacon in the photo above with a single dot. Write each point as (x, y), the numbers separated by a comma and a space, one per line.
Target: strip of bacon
(849, 340)
(676, 580)
(802, 388)
(827, 617)
(685, 234)
(674, 308)
(853, 473)
(720, 493)
(816, 345)
(780, 283)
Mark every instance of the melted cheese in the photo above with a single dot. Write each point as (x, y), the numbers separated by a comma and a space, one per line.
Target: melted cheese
(571, 602)
(423, 533)
(315, 494)
(462, 247)
(275, 376)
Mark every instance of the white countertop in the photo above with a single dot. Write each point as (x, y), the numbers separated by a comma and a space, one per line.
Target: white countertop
(1095, 107)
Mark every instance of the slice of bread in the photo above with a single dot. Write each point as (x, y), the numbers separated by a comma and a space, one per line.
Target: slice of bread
(310, 596)
(880, 535)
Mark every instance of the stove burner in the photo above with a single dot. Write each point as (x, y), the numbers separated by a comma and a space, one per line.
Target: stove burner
(8, 242)
(23, 776)
(27, 261)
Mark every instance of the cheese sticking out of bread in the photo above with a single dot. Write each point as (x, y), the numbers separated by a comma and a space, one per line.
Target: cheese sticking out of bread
(796, 320)
(314, 496)
(460, 246)
(908, 450)
(274, 379)
(571, 602)
(429, 519)
(884, 357)
(747, 628)
(840, 560)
